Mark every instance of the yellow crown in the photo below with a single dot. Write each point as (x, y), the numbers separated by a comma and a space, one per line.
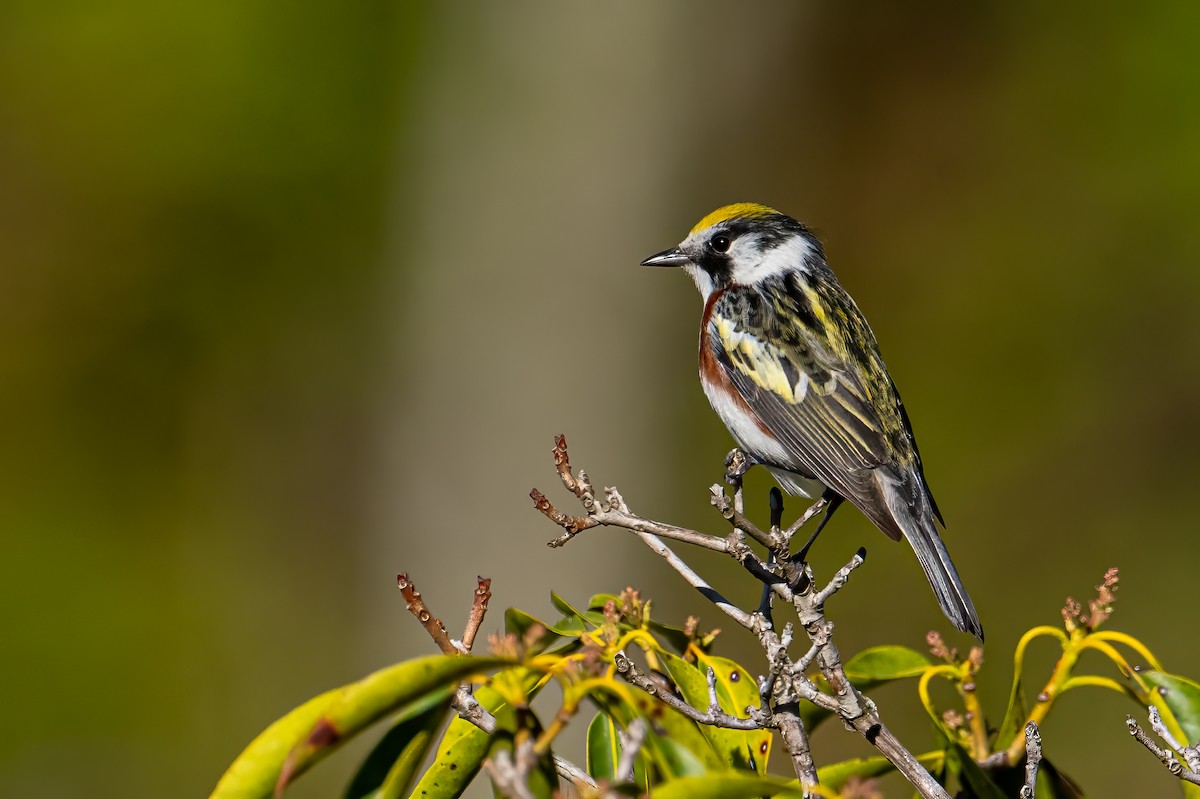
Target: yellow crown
(735, 211)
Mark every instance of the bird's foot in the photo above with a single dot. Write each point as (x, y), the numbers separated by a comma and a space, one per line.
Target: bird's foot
(737, 463)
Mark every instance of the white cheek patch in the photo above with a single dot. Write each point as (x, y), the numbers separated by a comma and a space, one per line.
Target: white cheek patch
(750, 266)
(702, 280)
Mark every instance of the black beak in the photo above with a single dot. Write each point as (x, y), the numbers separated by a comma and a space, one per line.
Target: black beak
(671, 257)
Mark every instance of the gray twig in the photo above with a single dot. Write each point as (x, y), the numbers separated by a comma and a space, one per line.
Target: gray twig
(1190, 754)
(631, 744)
(511, 773)
(468, 709)
(1033, 759)
(714, 717)
(1165, 755)
(786, 680)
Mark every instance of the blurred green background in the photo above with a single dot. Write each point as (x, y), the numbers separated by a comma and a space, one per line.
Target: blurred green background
(294, 296)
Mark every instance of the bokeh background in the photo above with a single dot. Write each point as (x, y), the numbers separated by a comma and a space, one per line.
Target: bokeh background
(294, 296)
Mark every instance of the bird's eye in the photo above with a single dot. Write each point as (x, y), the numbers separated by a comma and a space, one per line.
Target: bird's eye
(719, 244)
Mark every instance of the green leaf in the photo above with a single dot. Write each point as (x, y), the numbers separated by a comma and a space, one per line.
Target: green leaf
(972, 776)
(836, 775)
(675, 636)
(394, 761)
(1015, 715)
(292, 744)
(869, 669)
(1053, 784)
(726, 785)
(880, 664)
(1017, 711)
(681, 761)
(254, 772)
(736, 690)
(556, 638)
(363, 703)
(603, 748)
(598, 601)
(592, 617)
(604, 754)
(464, 746)
(674, 744)
(1182, 696)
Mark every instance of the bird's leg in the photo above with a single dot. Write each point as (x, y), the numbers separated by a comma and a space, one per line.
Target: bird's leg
(776, 505)
(764, 604)
(737, 463)
(832, 502)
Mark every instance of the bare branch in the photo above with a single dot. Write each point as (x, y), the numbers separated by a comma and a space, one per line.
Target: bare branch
(511, 774)
(713, 705)
(795, 741)
(715, 717)
(1190, 754)
(631, 744)
(416, 606)
(786, 680)
(468, 709)
(479, 606)
(806, 517)
(568, 770)
(1033, 759)
(1165, 755)
(841, 577)
(726, 508)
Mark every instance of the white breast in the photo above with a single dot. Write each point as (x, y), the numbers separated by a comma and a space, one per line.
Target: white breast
(746, 432)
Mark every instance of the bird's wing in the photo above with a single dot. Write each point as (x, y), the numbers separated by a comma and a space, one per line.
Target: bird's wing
(814, 403)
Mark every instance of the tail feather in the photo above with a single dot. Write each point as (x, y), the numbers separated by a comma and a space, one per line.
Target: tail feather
(910, 508)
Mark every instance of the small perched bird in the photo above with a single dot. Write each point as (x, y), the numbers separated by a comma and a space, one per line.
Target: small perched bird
(790, 365)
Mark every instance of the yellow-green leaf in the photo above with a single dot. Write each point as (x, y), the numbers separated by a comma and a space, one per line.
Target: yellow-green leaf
(884, 663)
(592, 617)
(1015, 715)
(256, 769)
(554, 638)
(675, 744)
(392, 765)
(1182, 696)
(736, 691)
(308, 733)
(363, 703)
(463, 748)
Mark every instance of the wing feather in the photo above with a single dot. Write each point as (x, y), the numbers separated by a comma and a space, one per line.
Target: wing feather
(826, 424)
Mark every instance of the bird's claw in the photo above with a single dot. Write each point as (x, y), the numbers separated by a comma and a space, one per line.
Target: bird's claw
(737, 463)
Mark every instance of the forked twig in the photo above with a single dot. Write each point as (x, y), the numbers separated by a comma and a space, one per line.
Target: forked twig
(786, 681)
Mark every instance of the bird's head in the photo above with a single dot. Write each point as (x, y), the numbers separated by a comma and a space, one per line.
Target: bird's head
(742, 244)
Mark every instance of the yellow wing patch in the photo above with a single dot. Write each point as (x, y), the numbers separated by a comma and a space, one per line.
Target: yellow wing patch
(735, 211)
(761, 362)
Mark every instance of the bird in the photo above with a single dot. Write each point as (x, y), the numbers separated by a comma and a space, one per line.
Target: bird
(789, 363)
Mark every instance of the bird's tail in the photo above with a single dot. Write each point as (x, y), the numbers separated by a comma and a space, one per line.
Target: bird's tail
(911, 509)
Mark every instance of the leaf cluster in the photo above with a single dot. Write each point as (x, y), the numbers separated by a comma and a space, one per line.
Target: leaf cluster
(637, 744)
